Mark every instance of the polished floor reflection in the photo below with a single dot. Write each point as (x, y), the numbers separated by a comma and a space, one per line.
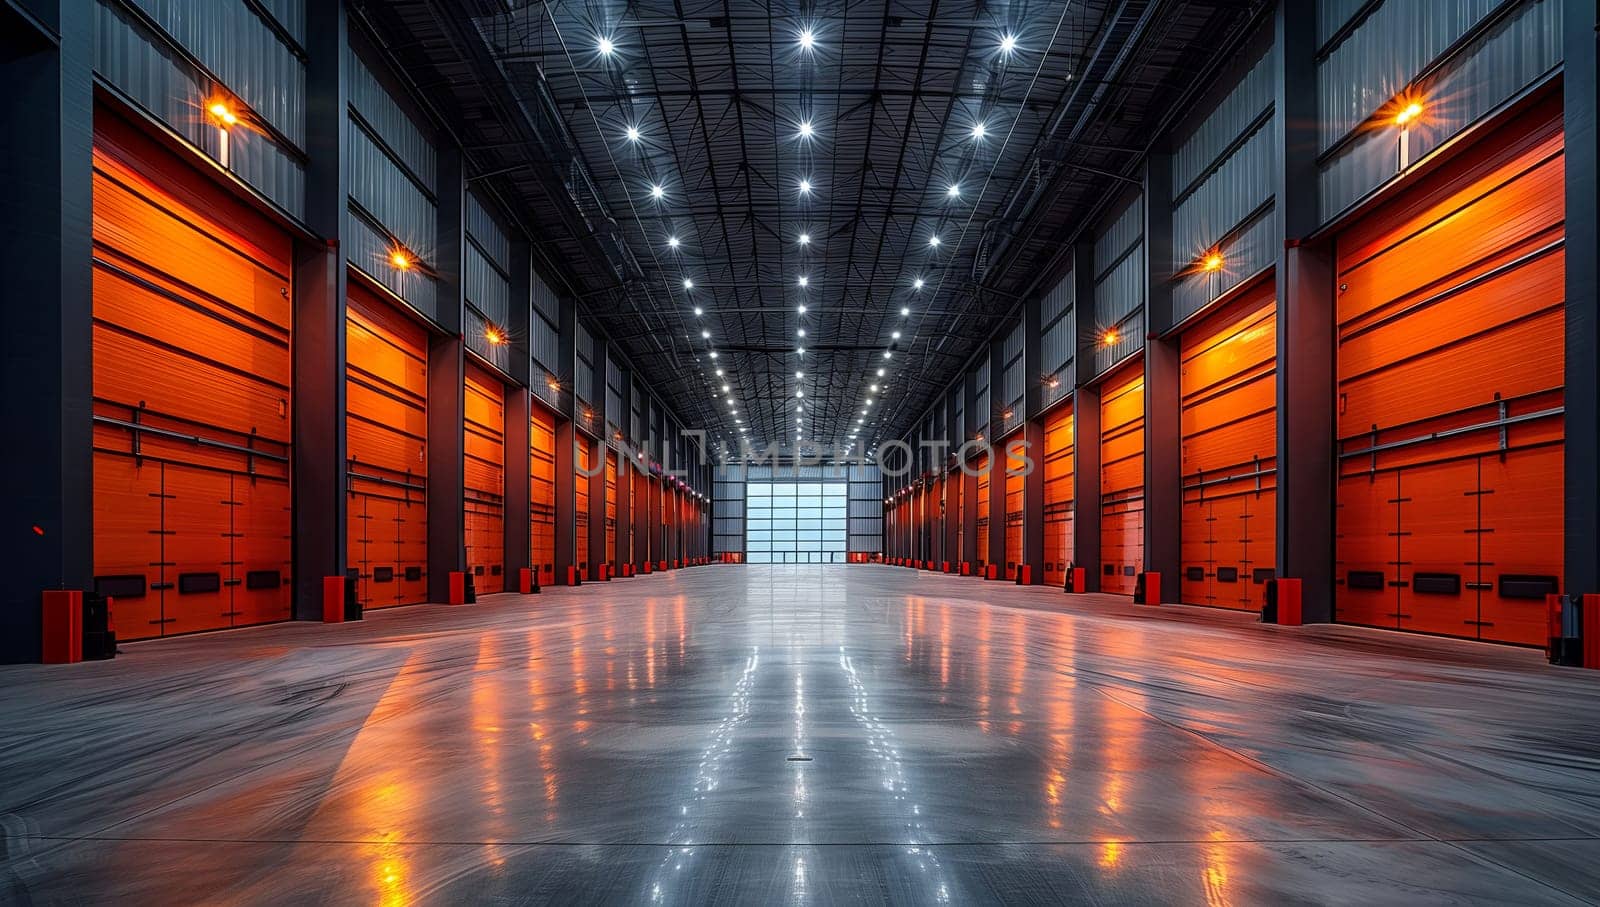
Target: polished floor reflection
(796, 734)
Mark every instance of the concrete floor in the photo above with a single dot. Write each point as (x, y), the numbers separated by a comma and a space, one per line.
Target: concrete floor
(761, 734)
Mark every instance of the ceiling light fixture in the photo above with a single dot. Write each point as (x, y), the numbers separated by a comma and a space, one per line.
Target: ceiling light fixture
(804, 280)
(605, 45)
(904, 311)
(1008, 43)
(916, 284)
(698, 311)
(806, 129)
(656, 192)
(979, 131)
(632, 133)
(807, 39)
(688, 284)
(805, 239)
(672, 242)
(805, 187)
(954, 191)
(800, 308)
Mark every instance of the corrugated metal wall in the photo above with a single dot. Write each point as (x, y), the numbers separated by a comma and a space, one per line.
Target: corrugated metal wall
(978, 419)
(486, 283)
(1058, 345)
(583, 382)
(1223, 176)
(1014, 380)
(614, 414)
(392, 168)
(237, 50)
(866, 510)
(1119, 285)
(727, 509)
(1382, 57)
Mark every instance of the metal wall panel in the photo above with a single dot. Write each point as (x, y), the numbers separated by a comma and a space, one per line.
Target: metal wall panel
(485, 287)
(1246, 253)
(474, 329)
(865, 525)
(1058, 345)
(545, 300)
(1013, 381)
(614, 414)
(1232, 117)
(1481, 76)
(1119, 290)
(143, 66)
(486, 231)
(390, 195)
(407, 141)
(583, 382)
(237, 46)
(1123, 234)
(368, 250)
(978, 419)
(544, 343)
(1332, 15)
(1381, 56)
(1233, 193)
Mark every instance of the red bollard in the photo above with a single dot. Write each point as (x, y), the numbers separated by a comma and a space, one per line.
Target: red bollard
(63, 625)
(991, 571)
(1289, 614)
(458, 589)
(1591, 630)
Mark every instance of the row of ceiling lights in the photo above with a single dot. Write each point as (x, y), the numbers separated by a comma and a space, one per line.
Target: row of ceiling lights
(805, 131)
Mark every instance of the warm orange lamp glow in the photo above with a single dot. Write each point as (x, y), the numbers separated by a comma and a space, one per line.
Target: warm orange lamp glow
(1410, 112)
(400, 260)
(222, 113)
(1213, 261)
(554, 384)
(1109, 337)
(494, 335)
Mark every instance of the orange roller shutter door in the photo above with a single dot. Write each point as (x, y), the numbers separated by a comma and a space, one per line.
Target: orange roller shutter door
(1058, 495)
(981, 465)
(611, 507)
(386, 391)
(1230, 439)
(484, 478)
(542, 493)
(192, 308)
(1122, 480)
(1451, 344)
(580, 543)
(1014, 478)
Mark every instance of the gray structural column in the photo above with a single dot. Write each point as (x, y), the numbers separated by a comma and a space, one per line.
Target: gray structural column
(321, 290)
(597, 465)
(518, 488)
(1163, 435)
(969, 480)
(1033, 433)
(1085, 423)
(624, 476)
(954, 480)
(447, 389)
(997, 457)
(566, 444)
(1580, 113)
(46, 141)
(1306, 341)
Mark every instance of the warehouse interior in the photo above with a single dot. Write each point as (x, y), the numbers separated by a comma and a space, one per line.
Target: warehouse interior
(1011, 450)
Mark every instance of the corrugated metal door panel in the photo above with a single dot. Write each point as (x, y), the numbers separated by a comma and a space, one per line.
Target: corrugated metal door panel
(262, 551)
(611, 507)
(484, 478)
(981, 465)
(581, 496)
(1438, 537)
(192, 313)
(1451, 323)
(1014, 513)
(1058, 495)
(1228, 389)
(1521, 533)
(197, 524)
(542, 493)
(1367, 550)
(1122, 481)
(386, 397)
(128, 540)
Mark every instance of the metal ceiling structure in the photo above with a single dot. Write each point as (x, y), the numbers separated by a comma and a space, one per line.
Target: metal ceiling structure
(810, 143)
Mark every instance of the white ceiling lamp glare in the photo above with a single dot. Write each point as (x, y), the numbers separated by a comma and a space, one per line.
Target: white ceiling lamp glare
(605, 45)
(657, 192)
(805, 186)
(1008, 44)
(979, 131)
(632, 134)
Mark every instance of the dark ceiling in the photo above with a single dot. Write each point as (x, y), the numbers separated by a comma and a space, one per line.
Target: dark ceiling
(720, 93)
